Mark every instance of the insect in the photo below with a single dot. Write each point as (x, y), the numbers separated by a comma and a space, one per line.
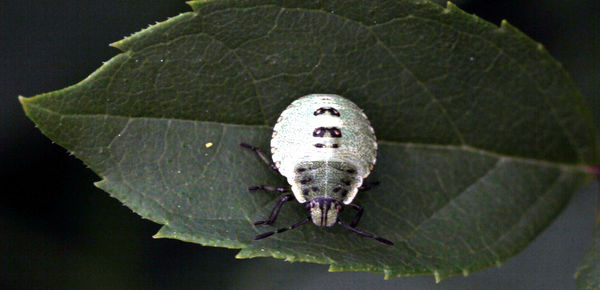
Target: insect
(325, 146)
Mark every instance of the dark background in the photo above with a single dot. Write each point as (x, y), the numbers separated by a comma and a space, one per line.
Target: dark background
(58, 231)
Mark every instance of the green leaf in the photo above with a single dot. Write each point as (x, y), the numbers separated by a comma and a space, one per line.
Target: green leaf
(483, 136)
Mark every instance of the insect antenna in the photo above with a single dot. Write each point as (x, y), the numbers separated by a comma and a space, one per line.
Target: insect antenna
(365, 234)
(281, 230)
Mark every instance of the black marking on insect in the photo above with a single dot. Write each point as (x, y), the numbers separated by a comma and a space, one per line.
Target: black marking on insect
(325, 181)
(331, 110)
(332, 132)
(306, 180)
(335, 132)
(319, 132)
(321, 145)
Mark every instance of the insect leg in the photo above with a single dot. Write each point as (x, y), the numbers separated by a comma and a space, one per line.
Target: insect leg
(359, 211)
(281, 230)
(261, 155)
(365, 234)
(368, 186)
(275, 211)
(270, 188)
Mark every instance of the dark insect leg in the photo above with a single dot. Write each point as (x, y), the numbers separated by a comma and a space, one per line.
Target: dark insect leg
(270, 188)
(281, 230)
(359, 212)
(261, 155)
(275, 211)
(365, 234)
(368, 186)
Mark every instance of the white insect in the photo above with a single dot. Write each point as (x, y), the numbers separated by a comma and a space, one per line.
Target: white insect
(325, 146)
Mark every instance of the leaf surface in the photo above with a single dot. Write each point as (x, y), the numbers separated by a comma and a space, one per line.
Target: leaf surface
(483, 137)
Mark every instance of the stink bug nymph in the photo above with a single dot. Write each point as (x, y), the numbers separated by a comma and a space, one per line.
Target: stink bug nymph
(325, 146)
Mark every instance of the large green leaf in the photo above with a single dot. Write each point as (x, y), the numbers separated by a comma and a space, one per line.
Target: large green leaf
(483, 137)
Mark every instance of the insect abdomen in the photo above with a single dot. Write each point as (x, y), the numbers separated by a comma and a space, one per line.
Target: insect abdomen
(322, 127)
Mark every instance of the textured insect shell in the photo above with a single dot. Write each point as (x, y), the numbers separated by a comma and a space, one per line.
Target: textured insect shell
(293, 142)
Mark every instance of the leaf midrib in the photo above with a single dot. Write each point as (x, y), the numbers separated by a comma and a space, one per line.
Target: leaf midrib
(584, 168)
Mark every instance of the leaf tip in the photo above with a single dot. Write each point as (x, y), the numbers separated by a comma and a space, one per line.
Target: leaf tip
(104, 185)
(158, 235)
(195, 4)
(24, 102)
(191, 4)
(118, 44)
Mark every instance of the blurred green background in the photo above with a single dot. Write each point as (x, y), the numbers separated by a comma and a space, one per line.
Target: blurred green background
(58, 231)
